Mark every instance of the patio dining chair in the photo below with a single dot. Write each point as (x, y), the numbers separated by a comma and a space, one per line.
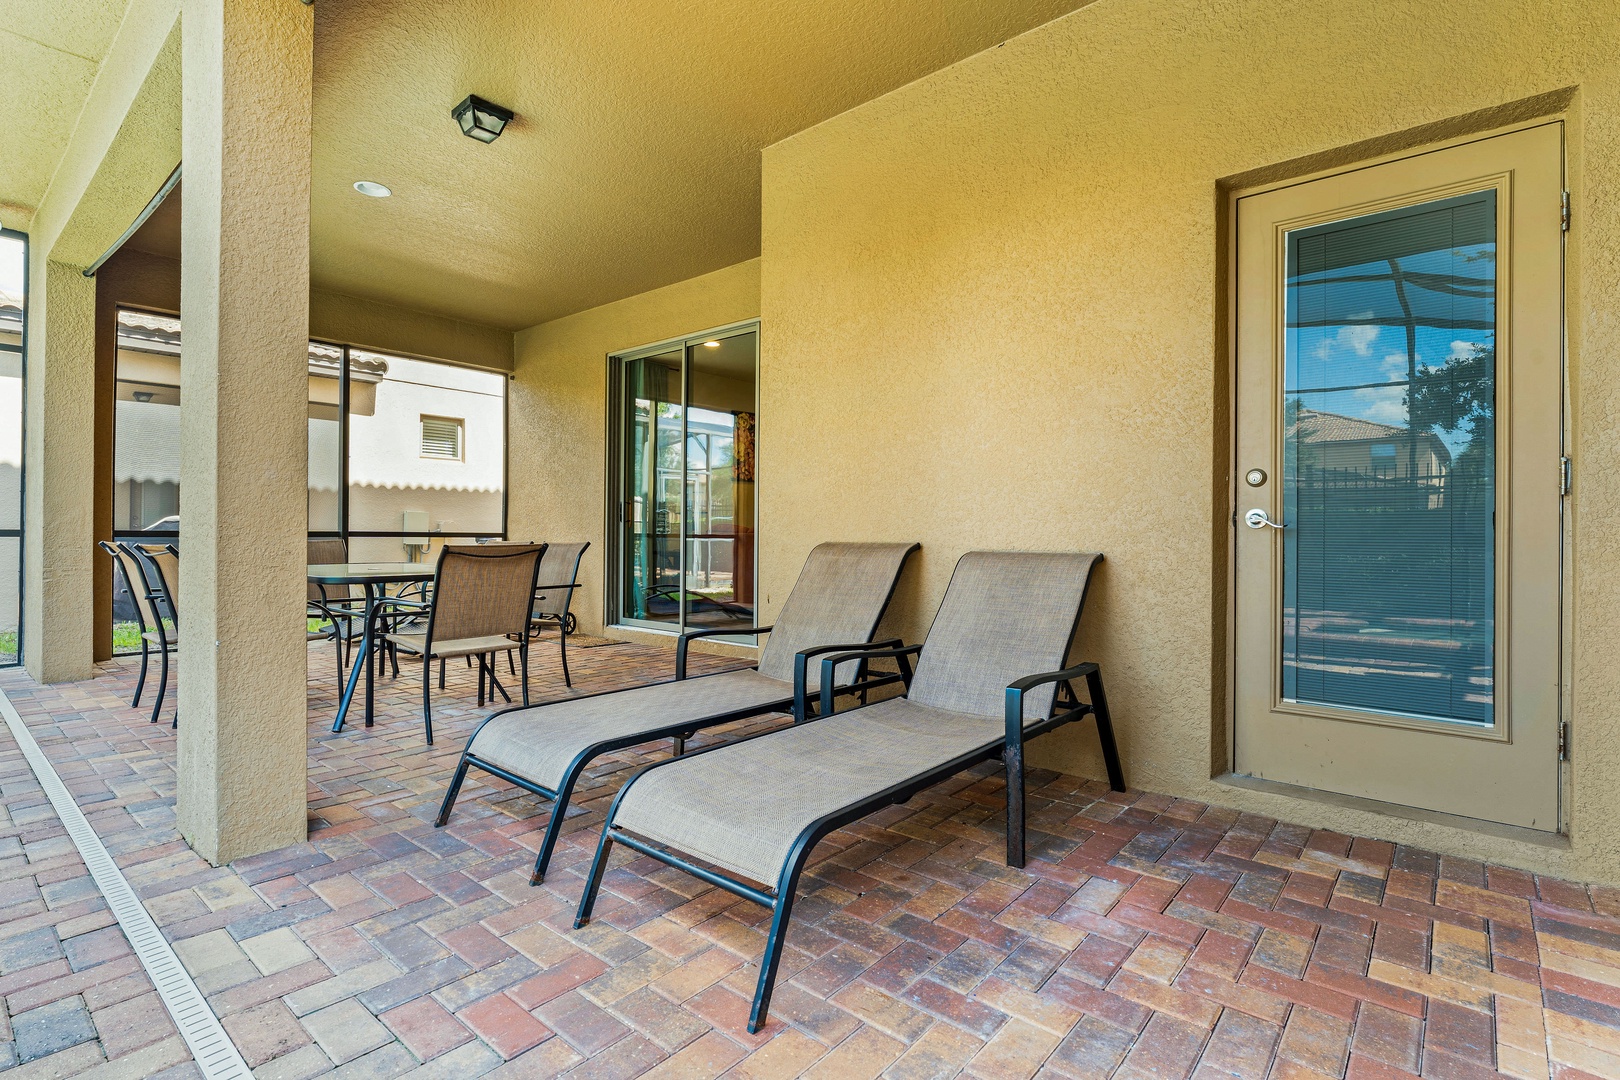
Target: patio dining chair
(479, 607)
(554, 595)
(338, 605)
(835, 606)
(986, 681)
(157, 569)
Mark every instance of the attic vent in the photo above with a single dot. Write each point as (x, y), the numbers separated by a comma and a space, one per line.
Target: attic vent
(441, 438)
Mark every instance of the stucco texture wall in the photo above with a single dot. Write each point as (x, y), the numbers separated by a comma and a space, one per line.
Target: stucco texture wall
(992, 317)
(557, 482)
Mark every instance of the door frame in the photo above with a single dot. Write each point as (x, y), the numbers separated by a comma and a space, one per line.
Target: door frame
(614, 464)
(1223, 748)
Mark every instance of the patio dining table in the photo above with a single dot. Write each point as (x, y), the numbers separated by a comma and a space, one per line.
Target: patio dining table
(374, 578)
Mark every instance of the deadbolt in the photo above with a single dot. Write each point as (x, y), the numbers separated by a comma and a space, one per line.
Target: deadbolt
(1255, 477)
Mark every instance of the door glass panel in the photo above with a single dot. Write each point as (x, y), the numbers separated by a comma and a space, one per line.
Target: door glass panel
(720, 481)
(652, 497)
(1389, 557)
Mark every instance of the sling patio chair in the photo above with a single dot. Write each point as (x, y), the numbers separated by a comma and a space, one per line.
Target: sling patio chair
(754, 808)
(148, 620)
(554, 595)
(337, 605)
(157, 569)
(480, 607)
(835, 606)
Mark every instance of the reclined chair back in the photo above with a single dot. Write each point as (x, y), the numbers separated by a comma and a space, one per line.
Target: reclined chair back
(158, 569)
(840, 596)
(1006, 614)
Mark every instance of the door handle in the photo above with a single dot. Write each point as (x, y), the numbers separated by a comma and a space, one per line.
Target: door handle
(1257, 519)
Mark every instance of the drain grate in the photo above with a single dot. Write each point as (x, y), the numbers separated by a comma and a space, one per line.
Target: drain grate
(210, 1046)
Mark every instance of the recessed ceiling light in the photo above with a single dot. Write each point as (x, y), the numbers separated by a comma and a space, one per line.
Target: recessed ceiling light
(711, 344)
(376, 191)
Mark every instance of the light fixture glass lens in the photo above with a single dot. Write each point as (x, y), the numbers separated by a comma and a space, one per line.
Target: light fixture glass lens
(376, 191)
(711, 344)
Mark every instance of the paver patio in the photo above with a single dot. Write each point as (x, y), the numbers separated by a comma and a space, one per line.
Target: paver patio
(1150, 936)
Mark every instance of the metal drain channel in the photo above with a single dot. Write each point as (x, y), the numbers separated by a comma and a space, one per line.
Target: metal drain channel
(213, 1050)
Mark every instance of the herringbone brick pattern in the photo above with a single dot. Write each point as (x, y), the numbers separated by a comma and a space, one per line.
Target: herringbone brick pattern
(1149, 937)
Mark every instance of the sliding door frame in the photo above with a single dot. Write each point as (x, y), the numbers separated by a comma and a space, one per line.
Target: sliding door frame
(617, 461)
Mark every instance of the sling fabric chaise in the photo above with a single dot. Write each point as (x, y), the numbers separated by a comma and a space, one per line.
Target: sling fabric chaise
(986, 680)
(835, 606)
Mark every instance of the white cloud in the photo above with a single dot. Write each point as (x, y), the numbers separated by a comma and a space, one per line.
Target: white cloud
(1358, 339)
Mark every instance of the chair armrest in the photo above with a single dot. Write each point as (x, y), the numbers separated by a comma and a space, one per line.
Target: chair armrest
(718, 631)
(801, 661)
(1018, 688)
(829, 669)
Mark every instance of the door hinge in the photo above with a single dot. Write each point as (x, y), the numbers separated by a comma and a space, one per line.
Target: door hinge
(1563, 211)
(1563, 740)
(1565, 475)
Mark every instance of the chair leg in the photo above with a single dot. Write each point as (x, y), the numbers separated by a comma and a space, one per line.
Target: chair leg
(427, 698)
(163, 683)
(587, 899)
(140, 684)
(679, 746)
(1013, 758)
(523, 652)
(1105, 730)
(441, 674)
(773, 944)
(337, 647)
(562, 644)
(559, 813)
(455, 789)
(510, 670)
(480, 682)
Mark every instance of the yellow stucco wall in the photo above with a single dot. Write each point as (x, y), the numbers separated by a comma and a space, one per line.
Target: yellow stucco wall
(557, 483)
(992, 317)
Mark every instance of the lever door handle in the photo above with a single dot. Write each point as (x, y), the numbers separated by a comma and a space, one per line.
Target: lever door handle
(1257, 519)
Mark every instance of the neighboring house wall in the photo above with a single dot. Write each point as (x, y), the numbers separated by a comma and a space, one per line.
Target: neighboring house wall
(559, 410)
(992, 310)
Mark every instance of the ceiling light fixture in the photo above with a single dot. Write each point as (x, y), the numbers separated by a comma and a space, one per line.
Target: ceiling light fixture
(480, 119)
(143, 395)
(376, 191)
(711, 344)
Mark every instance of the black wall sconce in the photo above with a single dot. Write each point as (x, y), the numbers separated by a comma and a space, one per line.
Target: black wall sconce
(480, 119)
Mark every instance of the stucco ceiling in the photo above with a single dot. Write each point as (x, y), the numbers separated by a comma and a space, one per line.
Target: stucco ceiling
(634, 161)
(50, 51)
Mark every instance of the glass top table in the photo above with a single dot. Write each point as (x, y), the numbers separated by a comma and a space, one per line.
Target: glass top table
(374, 578)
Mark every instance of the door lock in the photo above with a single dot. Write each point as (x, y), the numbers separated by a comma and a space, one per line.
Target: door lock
(1257, 519)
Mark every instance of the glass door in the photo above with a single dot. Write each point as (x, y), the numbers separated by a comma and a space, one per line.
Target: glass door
(683, 443)
(1397, 551)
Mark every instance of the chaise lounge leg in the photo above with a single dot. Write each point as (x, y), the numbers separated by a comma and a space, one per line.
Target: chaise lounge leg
(559, 813)
(1013, 758)
(1105, 731)
(787, 885)
(587, 899)
(450, 796)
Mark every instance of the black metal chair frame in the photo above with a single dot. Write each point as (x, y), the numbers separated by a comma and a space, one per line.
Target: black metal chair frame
(567, 622)
(140, 620)
(1010, 750)
(799, 705)
(409, 609)
(157, 595)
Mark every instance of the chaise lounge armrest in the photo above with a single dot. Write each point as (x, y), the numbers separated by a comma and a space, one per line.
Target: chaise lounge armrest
(829, 665)
(801, 661)
(717, 631)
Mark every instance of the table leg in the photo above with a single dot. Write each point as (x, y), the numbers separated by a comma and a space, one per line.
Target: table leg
(371, 680)
(356, 662)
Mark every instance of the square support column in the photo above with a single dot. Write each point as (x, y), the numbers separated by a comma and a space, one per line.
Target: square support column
(58, 527)
(244, 305)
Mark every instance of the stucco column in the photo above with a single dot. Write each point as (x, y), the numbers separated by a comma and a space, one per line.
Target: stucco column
(59, 538)
(244, 306)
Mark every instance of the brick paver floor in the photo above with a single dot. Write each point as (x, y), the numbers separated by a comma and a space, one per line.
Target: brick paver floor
(1149, 937)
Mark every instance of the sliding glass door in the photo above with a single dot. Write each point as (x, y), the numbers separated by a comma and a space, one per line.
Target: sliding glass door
(682, 510)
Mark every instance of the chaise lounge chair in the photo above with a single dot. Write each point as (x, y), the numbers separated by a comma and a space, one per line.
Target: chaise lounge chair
(756, 807)
(835, 606)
